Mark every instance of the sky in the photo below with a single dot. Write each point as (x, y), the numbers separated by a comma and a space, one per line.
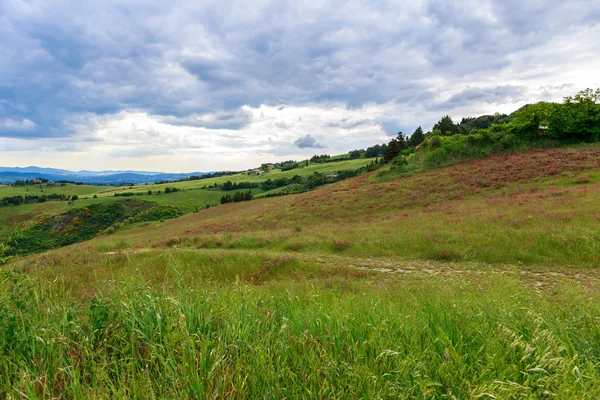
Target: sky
(183, 86)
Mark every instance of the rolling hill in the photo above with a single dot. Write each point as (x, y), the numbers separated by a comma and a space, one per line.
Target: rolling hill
(476, 280)
(12, 174)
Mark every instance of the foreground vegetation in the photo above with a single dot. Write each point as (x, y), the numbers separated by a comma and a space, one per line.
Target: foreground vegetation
(477, 280)
(199, 324)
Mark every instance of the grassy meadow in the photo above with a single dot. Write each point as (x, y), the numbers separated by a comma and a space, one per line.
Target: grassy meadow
(475, 281)
(190, 197)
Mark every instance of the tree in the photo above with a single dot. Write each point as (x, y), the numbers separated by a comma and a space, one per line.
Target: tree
(356, 153)
(446, 126)
(417, 137)
(394, 147)
(578, 117)
(527, 120)
(375, 151)
(74, 197)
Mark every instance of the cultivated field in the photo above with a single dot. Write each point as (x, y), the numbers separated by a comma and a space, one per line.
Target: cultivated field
(478, 280)
(189, 198)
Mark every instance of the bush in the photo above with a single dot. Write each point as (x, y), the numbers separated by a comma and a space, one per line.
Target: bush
(433, 142)
(400, 160)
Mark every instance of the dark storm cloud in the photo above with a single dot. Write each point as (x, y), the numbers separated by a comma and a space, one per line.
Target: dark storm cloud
(308, 142)
(183, 60)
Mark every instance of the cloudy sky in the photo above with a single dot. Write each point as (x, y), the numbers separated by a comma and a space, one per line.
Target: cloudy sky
(210, 85)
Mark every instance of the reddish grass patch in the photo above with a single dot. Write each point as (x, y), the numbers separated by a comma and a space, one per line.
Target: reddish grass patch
(341, 245)
(358, 200)
(267, 270)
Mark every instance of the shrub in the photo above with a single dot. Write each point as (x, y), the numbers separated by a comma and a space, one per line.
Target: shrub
(400, 160)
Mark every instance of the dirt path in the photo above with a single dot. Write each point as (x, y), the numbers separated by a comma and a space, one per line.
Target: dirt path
(541, 277)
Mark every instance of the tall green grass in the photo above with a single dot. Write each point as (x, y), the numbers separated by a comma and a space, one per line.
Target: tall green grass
(337, 337)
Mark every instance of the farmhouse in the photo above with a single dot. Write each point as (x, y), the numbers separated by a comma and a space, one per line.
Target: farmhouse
(257, 172)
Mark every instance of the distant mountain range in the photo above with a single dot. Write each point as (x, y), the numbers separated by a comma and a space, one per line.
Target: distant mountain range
(11, 174)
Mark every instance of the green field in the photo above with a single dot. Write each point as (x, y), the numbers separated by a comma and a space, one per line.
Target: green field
(323, 168)
(475, 281)
(190, 198)
(38, 190)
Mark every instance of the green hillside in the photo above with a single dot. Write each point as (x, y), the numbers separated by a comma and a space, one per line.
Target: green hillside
(477, 280)
(190, 196)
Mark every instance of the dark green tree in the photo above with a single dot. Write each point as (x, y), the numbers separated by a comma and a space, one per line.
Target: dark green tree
(394, 147)
(416, 138)
(578, 118)
(375, 151)
(446, 126)
(356, 153)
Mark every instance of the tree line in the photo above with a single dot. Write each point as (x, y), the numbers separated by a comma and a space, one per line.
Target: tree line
(18, 200)
(576, 119)
(149, 192)
(27, 182)
(237, 197)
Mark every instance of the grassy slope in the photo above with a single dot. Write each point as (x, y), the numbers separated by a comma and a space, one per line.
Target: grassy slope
(38, 190)
(472, 281)
(275, 174)
(190, 198)
(537, 207)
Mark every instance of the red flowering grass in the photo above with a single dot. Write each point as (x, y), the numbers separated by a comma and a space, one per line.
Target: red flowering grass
(267, 270)
(341, 245)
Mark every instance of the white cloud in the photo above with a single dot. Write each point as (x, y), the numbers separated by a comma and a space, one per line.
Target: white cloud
(170, 86)
(23, 125)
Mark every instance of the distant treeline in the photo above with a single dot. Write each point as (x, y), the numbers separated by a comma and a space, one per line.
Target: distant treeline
(149, 192)
(18, 200)
(326, 158)
(28, 182)
(237, 197)
(71, 182)
(301, 183)
(63, 182)
(200, 177)
(129, 194)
